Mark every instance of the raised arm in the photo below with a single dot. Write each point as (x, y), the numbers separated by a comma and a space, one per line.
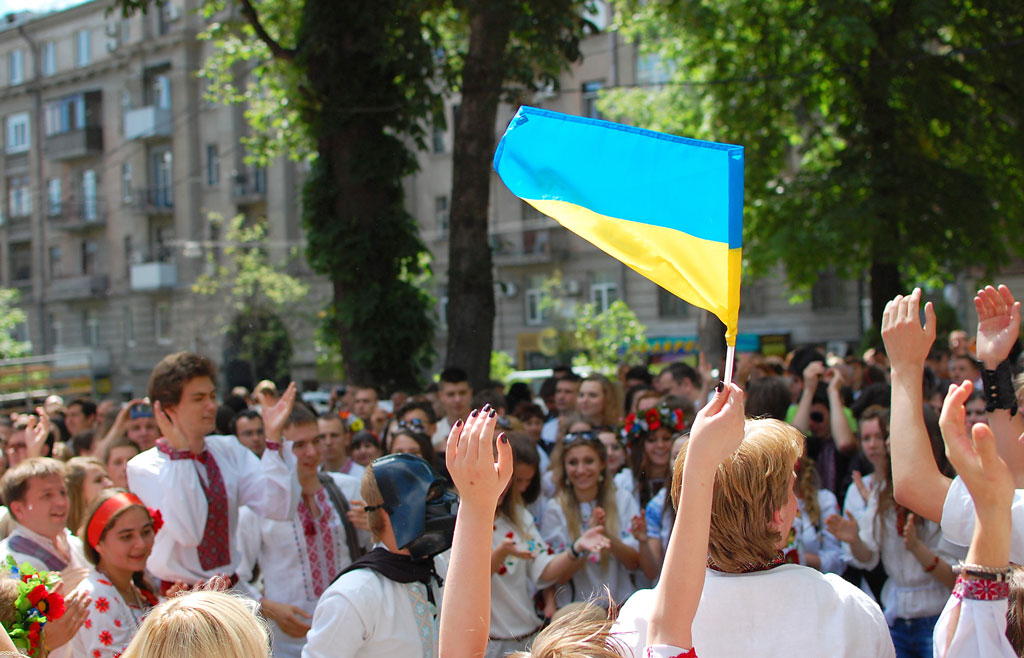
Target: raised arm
(998, 331)
(971, 627)
(842, 433)
(812, 374)
(917, 483)
(717, 433)
(466, 606)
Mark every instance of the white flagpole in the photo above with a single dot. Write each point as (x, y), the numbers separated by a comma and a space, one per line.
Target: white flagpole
(730, 355)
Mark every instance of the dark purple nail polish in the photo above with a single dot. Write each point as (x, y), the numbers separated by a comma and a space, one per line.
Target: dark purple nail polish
(486, 407)
(491, 415)
(504, 439)
(720, 387)
(458, 423)
(475, 412)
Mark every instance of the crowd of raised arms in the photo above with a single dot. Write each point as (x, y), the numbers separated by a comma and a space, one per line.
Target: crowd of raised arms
(818, 506)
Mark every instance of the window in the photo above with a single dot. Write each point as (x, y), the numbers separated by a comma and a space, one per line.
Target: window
(670, 306)
(89, 211)
(441, 213)
(89, 249)
(651, 70)
(65, 115)
(53, 197)
(90, 329)
(603, 291)
(19, 197)
(126, 182)
(83, 48)
(162, 321)
(56, 262)
(212, 165)
(18, 134)
(21, 262)
(590, 91)
(49, 63)
(534, 294)
(437, 139)
(162, 194)
(126, 104)
(16, 67)
(129, 327)
(56, 331)
(161, 91)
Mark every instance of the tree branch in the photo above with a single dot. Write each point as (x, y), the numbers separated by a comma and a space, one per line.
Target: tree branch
(276, 49)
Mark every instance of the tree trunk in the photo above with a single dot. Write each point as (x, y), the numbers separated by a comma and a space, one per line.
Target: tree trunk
(885, 284)
(471, 305)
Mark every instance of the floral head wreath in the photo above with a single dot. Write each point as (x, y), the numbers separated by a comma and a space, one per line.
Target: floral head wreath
(353, 422)
(35, 606)
(663, 415)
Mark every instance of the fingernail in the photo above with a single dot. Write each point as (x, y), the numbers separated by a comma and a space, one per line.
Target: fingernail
(491, 415)
(719, 387)
(486, 407)
(504, 439)
(458, 423)
(473, 415)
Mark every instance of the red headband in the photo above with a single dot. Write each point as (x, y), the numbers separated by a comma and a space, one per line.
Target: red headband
(106, 511)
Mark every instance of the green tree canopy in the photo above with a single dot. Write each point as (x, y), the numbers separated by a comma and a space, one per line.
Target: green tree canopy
(881, 136)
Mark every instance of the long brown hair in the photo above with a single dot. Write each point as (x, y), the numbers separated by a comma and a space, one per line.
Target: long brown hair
(611, 410)
(566, 496)
(90, 551)
(75, 471)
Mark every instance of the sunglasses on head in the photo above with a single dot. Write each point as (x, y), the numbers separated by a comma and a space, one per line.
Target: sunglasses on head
(414, 424)
(573, 437)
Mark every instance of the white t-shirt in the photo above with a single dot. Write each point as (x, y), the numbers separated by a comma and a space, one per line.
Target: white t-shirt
(958, 519)
(790, 610)
(512, 587)
(980, 631)
(367, 615)
(589, 581)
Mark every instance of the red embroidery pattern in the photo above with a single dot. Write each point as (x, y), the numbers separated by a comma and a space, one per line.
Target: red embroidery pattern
(980, 590)
(102, 604)
(319, 541)
(97, 653)
(653, 653)
(117, 622)
(88, 622)
(106, 638)
(102, 581)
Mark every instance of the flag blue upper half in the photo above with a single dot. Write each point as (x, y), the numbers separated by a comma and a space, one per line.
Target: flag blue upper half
(624, 172)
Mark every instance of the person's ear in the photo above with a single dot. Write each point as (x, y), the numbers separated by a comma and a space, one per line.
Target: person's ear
(777, 521)
(18, 510)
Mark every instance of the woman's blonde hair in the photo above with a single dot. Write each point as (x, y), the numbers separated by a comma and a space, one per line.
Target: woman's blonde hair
(807, 486)
(1015, 611)
(201, 625)
(372, 497)
(750, 486)
(74, 478)
(585, 632)
(566, 497)
(611, 411)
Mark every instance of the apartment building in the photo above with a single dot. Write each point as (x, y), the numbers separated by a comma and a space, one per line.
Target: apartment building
(112, 163)
(528, 247)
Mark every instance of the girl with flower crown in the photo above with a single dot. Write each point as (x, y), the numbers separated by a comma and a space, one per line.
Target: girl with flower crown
(117, 533)
(649, 436)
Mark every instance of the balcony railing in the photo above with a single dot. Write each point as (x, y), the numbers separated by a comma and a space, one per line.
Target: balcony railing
(146, 122)
(530, 247)
(84, 286)
(74, 144)
(153, 276)
(155, 200)
(250, 185)
(79, 215)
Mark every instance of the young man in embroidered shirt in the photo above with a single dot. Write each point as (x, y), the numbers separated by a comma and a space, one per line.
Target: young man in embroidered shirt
(198, 482)
(917, 483)
(387, 602)
(751, 599)
(299, 558)
(34, 491)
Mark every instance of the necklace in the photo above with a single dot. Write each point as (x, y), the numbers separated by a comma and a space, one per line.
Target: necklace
(136, 602)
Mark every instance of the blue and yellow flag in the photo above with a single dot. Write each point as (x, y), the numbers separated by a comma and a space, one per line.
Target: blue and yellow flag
(669, 207)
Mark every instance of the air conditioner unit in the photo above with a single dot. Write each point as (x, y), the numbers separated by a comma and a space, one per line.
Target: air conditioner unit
(112, 29)
(112, 44)
(573, 287)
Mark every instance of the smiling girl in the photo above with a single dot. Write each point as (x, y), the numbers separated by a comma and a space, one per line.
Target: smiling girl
(117, 535)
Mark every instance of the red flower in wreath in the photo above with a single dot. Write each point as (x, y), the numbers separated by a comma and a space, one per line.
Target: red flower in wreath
(158, 519)
(33, 635)
(49, 604)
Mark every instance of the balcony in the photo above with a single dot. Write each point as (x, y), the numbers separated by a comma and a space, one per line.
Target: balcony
(146, 122)
(530, 247)
(82, 287)
(80, 216)
(74, 144)
(19, 228)
(153, 276)
(155, 200)
(250, 186)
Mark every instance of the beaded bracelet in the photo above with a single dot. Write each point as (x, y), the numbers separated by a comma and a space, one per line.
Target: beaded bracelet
(981, 590)
(981, 572)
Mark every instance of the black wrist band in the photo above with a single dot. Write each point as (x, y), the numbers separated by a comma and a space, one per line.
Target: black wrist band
(997, 386)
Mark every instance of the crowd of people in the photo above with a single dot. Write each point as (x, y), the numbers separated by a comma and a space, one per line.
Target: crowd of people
(821, 506)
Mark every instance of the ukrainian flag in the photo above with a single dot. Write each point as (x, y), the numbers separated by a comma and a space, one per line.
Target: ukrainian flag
(669, 207)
